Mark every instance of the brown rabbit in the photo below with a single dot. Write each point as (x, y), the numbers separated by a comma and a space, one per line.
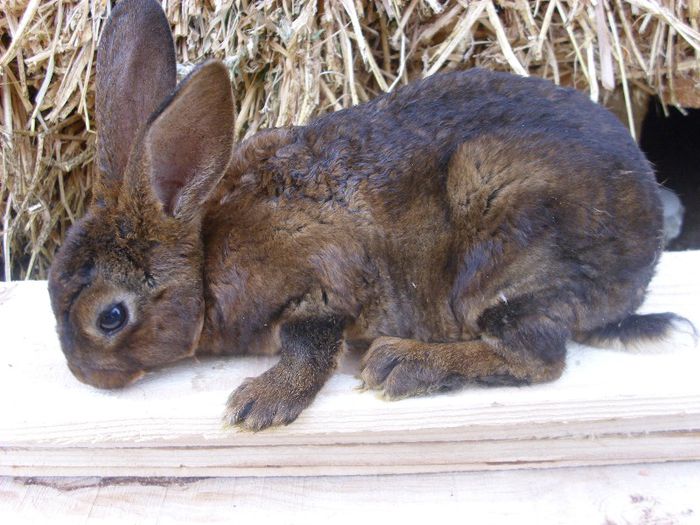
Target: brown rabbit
(462, 228)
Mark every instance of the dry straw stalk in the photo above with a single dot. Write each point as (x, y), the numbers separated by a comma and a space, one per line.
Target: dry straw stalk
(291, 60)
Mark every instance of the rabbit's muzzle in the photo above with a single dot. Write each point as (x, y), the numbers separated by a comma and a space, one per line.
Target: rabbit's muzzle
(104, 378)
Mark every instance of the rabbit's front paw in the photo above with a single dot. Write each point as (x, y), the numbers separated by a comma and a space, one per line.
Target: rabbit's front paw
(268, 400)
(403, 368)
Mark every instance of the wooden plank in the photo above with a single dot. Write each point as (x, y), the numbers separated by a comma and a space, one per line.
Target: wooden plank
(609, 407)
(651, 494)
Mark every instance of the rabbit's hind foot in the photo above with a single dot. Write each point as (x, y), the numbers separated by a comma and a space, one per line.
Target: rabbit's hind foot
(401, 368)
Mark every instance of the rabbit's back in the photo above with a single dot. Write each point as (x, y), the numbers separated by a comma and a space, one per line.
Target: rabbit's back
(418, 128)
(400, 144)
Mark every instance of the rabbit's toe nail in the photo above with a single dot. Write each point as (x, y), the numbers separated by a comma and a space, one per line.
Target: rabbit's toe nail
(376, 370)
(385, 354)
(258, 404)
(378, 363)
(414, 378)
(404, 381)
(400, 368)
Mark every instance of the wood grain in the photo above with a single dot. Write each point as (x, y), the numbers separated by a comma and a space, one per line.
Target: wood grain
(656, 494)
(609, 407)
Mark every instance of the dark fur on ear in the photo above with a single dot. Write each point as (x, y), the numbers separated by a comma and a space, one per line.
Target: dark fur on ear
(135, 72)
(189, 140)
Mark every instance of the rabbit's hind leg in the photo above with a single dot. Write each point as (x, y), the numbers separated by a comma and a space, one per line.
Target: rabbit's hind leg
(518, 345)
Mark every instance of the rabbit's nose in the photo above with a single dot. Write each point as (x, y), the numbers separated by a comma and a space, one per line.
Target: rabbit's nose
(104, 378)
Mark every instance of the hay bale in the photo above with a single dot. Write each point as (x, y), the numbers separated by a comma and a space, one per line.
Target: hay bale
(291, 60)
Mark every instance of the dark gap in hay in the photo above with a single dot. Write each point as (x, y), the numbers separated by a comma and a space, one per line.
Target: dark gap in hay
(671, 144)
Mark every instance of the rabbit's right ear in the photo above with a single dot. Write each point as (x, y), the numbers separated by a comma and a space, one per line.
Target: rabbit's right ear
(189, 141)
(135, 72)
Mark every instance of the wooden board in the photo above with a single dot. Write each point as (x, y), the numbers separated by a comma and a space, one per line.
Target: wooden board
(609, 407)
(658, 494)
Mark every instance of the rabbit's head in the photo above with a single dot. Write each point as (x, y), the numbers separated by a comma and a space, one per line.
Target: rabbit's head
(126, 286)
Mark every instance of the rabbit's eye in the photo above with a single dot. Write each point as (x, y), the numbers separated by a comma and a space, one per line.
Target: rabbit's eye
(112, 318)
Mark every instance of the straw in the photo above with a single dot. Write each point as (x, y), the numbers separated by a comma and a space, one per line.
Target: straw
(291, 60)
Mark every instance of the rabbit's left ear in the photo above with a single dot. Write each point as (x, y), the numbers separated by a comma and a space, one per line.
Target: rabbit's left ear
(189, 141)
(135, 72)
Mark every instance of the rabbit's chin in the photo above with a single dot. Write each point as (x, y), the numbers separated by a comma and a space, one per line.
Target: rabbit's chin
(105, 378)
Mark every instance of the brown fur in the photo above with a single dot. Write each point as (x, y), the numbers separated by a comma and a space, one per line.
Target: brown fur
(462, 228)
